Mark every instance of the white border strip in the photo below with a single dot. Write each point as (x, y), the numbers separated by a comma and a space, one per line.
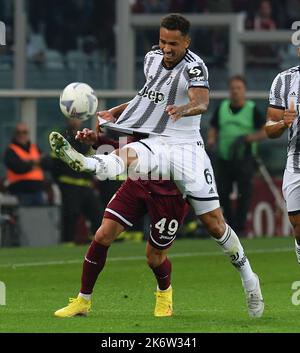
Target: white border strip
(119, 216)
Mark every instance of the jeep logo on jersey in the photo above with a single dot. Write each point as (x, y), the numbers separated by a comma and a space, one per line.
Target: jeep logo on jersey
(196, 73)
(154, 96)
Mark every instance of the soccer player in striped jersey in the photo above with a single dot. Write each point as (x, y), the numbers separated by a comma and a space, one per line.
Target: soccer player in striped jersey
(168, 109)
(283, 114)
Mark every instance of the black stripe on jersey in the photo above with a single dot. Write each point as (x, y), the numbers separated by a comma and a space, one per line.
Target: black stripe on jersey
(195, 57)
(203, 198)
(151, 106)
(187, 60)
(199, 87)
(161, 125)
(287, 86)
(143, 143)
(276, 106)
(135, 106)
(293, 213)
(189, 56)
(130, 111)
(150, 62)
(186, 75)
(296, 154)
(277, 91)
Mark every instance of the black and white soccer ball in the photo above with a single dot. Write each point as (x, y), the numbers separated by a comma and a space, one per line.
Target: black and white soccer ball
(78, 101)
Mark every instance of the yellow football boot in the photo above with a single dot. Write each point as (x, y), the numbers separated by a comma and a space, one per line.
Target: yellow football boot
(164, 303)
(76, 306)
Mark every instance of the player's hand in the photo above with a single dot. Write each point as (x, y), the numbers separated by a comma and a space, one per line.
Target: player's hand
(87, 136)
(175, 112)
(289, 115)
(106, 115)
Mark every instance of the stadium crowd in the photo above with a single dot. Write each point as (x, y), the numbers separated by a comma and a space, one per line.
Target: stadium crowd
(47, 46)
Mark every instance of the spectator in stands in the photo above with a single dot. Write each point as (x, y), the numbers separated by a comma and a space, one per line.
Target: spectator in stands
(263, 19)
(77, 192)
(235, 127)
(24, 162)
(262, 54)
(36, 48)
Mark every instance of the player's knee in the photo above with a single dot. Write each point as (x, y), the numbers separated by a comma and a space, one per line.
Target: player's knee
(216, 229)
(215, 225)
(104, 236)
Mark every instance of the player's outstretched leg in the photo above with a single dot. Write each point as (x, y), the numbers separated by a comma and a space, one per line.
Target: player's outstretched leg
(93, 264)
(63, 150)
(162, 268)
(104, 166)
(231, 246)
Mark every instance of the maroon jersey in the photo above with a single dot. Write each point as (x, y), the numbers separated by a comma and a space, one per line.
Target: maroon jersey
(133, 200)
(160, 187)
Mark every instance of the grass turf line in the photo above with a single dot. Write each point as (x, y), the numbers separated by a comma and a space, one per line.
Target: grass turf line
(208, 295)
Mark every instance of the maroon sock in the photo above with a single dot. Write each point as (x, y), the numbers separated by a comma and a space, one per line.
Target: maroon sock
(93, 264)
(163, 274)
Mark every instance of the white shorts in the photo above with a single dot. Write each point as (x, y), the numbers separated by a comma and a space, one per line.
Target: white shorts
(186, 164)
(291, 190)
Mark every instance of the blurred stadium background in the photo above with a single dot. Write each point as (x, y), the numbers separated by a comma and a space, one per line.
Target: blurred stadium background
(51, 43)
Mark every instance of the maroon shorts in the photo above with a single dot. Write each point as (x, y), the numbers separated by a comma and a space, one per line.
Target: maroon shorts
(132, 201)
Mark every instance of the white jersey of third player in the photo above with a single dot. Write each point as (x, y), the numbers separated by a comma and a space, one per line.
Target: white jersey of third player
(146, 112)
(286, 88)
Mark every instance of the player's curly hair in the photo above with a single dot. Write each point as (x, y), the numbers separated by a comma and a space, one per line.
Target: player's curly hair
(175, 22)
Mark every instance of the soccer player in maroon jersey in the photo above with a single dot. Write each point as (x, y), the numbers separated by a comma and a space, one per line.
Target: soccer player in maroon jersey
(167, 209)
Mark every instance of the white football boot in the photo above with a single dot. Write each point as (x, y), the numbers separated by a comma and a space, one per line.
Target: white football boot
(255, 301)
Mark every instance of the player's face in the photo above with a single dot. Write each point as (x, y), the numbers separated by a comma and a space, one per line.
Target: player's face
(173, 45)
(237, 90)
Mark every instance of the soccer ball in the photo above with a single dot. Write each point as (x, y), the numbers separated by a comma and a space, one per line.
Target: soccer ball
(78, 101)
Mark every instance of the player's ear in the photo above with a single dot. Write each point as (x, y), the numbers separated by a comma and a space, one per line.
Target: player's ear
(187, 41)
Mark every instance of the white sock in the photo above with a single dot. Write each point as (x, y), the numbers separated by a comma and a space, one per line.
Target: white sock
(233, 248)
(91, 163)
(297, 249)
(85, 296)
(106, 166)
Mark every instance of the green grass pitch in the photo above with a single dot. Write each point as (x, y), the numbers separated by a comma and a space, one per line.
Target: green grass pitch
(208, 296)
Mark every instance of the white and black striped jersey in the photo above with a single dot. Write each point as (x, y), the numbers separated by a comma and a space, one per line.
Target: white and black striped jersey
(146, 112)
(286, 88)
